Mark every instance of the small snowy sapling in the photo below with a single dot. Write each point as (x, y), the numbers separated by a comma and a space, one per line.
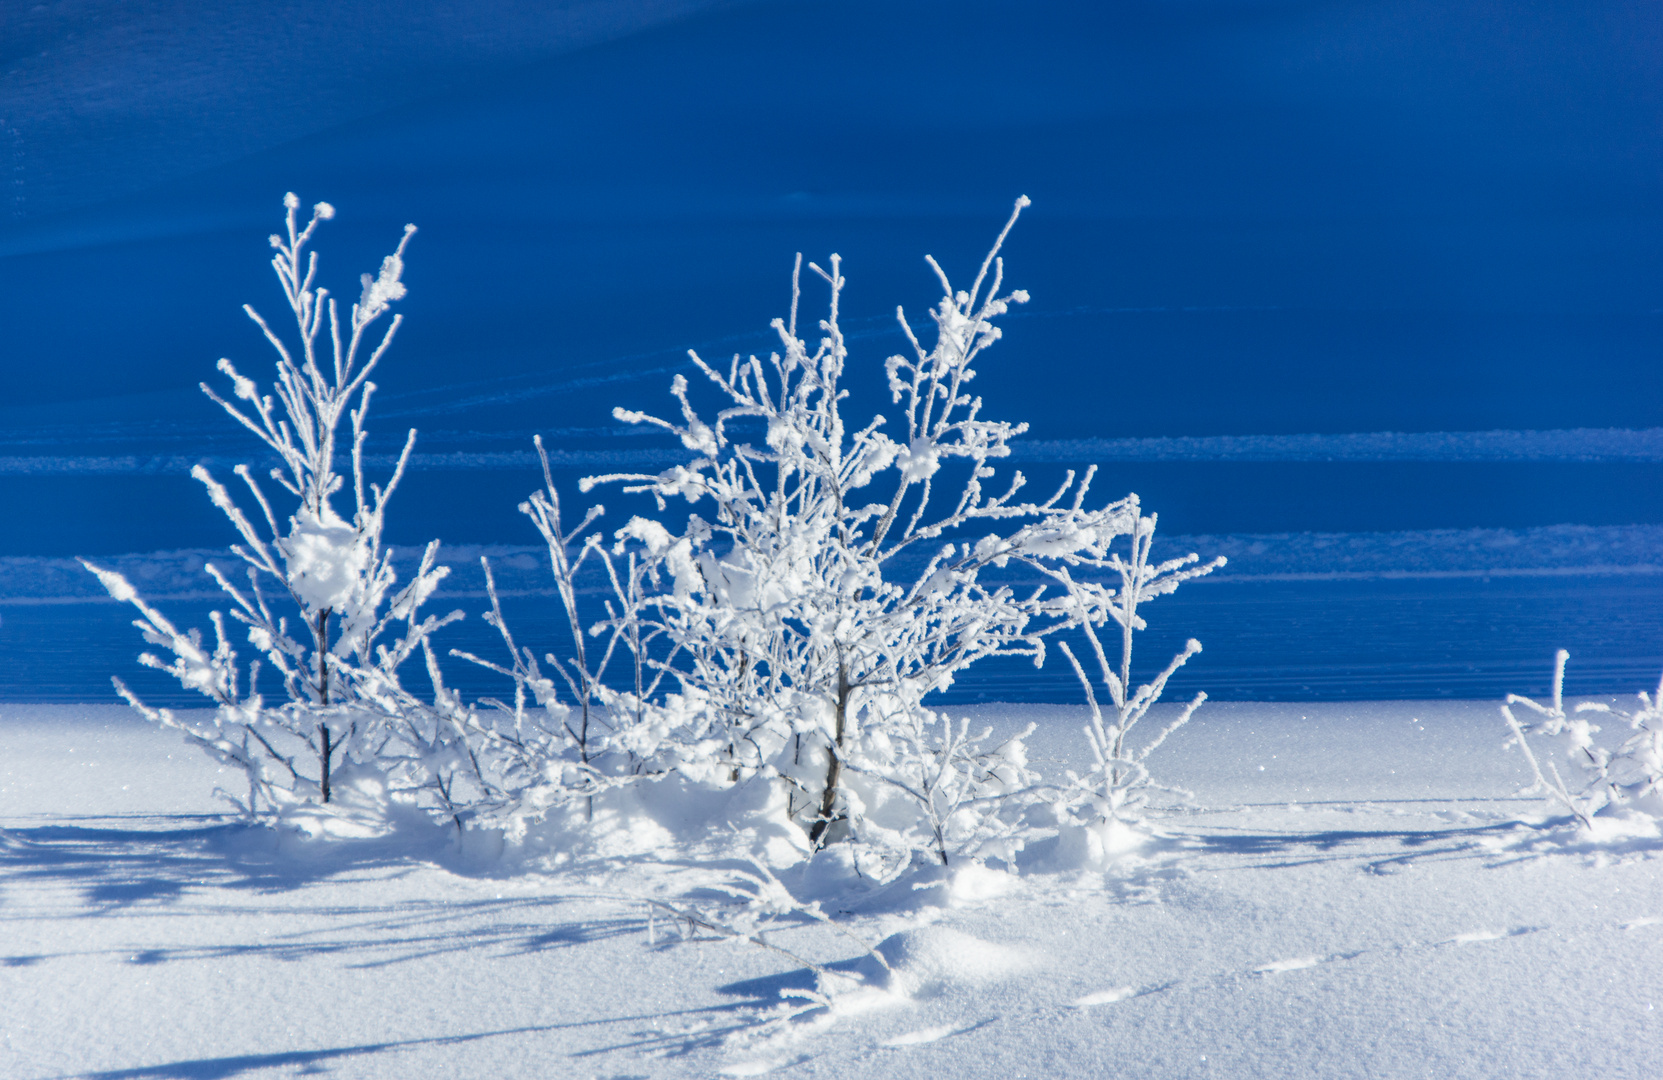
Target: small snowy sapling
(346, 712)
(552, 753)
(1116, 787)
(1628, 778)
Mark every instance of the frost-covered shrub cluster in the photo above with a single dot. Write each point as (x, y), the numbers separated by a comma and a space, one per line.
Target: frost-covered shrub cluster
(765, 659)
(1625, 778)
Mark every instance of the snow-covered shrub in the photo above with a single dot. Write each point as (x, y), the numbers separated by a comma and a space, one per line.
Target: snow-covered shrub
(348, 730)
(1100, 804)
(817, 593)
(1627, 778)
(921, 782)
(545, 753)
(1112, 793)
(550, 752)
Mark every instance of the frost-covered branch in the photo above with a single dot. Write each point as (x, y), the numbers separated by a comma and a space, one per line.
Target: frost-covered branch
(1626, 778)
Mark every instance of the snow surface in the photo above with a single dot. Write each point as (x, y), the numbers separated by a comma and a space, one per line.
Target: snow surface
(1354, 892)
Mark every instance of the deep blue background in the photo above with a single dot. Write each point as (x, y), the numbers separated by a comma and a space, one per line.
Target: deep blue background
(1249, 218)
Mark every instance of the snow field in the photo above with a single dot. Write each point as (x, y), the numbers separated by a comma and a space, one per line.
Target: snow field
(1367, 904)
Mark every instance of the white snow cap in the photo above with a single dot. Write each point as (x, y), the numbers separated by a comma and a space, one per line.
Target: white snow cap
(385, 288)
(326, 559)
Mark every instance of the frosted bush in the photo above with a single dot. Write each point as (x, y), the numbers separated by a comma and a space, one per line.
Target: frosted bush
(348, 734)
(1099, 804)
(1606, 780)
(547, 753)
(554, 752)
(801, 644)
(921, 782)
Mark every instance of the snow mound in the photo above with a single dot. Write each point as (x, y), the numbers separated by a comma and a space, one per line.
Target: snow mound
(1097, 846)
(1623, 833)
(931, 961)
(975, 883)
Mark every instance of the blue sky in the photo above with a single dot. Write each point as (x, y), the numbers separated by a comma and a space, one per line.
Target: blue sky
(1250, 219)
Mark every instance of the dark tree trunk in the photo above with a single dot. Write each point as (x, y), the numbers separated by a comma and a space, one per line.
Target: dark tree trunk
(323, 695)
(834, 771)
(328, 751)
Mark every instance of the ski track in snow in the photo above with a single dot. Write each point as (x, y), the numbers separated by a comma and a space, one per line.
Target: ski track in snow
(918, 1038)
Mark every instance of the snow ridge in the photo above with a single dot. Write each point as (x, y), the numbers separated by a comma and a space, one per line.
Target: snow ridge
(1556, 550)
(1570, 444)
(1587, 445)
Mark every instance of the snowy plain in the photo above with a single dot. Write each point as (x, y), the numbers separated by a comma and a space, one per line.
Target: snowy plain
(1356, 890)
